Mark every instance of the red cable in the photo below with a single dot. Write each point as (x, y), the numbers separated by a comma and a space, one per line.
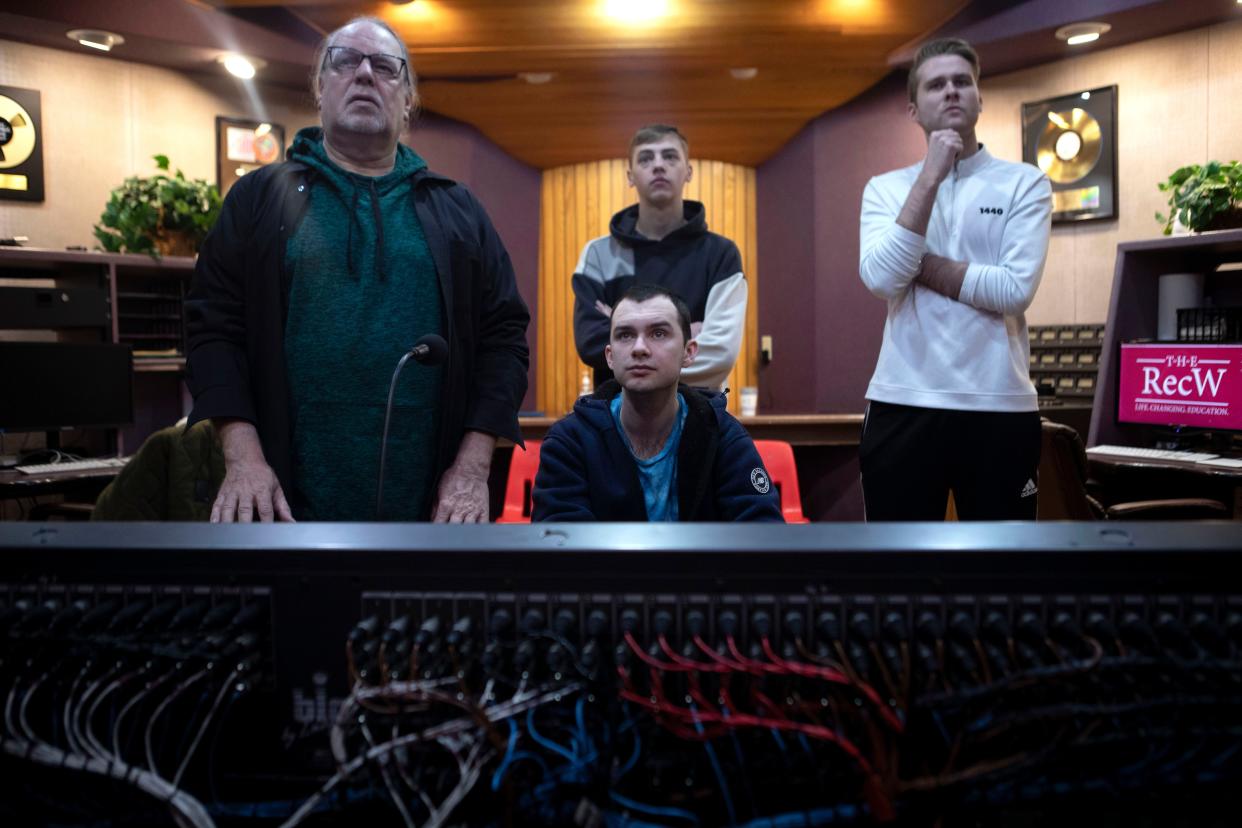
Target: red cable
(836, 676)
(701, 666)
(747, 720)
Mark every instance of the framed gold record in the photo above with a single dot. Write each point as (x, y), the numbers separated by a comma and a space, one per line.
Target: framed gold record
(1073, 140)
(21, 145)
(243, 146)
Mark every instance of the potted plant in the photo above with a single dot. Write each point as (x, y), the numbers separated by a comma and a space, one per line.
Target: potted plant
(1204, 197)
(162, 215)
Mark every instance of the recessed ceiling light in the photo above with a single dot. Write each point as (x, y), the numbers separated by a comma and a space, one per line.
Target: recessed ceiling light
(744, 72)
(635, 11)
(1077, 34)
(536, 78)
(240, 66)
(95, 38)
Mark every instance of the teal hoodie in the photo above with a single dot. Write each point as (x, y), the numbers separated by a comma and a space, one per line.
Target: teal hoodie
(363, 289)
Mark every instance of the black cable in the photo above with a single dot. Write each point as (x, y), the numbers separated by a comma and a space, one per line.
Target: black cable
(429, 350)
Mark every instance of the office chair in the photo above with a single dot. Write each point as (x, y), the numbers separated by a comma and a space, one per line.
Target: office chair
(778, 459)
(1063, 493)
(521, 484)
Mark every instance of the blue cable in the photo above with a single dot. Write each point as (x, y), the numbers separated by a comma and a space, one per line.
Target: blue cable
(741, 760)
(512, 755)
(633, 760)
(720, 777)
(806, 745)
(547, 743)
(653, 810)
(580, 715)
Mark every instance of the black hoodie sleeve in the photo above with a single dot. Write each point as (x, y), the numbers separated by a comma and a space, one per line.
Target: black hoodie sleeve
(501, 355)
(742, 492)
(218, 374)
(561, 492)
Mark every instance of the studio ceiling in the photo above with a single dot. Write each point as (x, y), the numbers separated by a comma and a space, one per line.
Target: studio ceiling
(611, 75)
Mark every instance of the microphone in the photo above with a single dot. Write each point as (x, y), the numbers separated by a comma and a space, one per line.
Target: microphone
(429, 350)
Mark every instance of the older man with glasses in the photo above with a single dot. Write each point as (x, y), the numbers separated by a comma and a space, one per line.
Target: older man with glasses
(320, 274)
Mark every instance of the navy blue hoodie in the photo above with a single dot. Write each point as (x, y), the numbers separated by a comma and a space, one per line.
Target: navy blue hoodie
(586, 471)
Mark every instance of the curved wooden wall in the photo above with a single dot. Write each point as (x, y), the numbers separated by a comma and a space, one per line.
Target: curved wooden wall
(578, 201)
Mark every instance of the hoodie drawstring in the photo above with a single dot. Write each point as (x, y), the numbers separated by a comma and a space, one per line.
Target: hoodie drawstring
(349, 235)
(379, 233)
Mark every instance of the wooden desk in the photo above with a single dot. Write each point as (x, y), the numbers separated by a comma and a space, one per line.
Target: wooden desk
(797, 429)
(85, 484)
(1129, 480)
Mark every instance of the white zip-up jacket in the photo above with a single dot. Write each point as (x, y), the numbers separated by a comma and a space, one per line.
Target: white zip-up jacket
(971, 353)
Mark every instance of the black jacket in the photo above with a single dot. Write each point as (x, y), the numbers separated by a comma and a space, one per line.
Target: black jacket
(239, 301)
(586, 471)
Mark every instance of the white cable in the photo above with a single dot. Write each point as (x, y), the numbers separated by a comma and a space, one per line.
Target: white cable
(462, 724)
(129, 705)
(160, 709)
(386, 775)
(224, 688)
(184, 806)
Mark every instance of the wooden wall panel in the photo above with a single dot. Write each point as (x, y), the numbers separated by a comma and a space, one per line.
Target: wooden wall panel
(578, 202)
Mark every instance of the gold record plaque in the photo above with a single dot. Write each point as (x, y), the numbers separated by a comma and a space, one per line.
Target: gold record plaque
(1073, 140)
(21, 145)
(243, 146)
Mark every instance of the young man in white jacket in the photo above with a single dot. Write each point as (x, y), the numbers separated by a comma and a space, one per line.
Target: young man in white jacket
(956, 245)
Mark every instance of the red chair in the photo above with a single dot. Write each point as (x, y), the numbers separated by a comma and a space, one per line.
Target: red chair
(778, 459)
(521, 484)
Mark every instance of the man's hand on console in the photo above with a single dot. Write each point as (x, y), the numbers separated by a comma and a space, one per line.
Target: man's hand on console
(250, 489)
(463, 494)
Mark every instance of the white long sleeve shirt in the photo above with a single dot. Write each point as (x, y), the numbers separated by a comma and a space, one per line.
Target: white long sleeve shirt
(971, 353)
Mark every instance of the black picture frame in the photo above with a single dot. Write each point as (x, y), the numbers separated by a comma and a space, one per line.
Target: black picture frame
(243, 146)
(21, 144)
(1089, 194)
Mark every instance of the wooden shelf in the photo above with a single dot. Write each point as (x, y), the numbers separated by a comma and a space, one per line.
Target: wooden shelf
(1132, 309)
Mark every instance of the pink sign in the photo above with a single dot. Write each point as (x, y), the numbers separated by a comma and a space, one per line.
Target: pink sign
(1181, 385)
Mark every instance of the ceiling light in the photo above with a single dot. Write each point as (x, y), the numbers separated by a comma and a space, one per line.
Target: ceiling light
(635, 11)
(239, 65)
(536, 78)
(1077, 34)
(744, 72)
(95, 38)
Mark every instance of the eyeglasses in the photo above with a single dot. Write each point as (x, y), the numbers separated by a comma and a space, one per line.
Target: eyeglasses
(345, 59)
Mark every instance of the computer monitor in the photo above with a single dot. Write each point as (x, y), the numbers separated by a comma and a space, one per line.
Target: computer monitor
(49, 386)
(1180, 385)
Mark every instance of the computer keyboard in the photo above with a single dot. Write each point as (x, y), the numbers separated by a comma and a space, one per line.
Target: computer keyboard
(75, 465)
(1136, 453)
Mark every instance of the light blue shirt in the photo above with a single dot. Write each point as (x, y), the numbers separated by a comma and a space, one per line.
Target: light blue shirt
(657, 475)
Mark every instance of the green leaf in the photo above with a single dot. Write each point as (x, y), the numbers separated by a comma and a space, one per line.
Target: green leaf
(161, 161)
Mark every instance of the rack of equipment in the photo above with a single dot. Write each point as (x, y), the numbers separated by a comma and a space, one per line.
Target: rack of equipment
(619, 674)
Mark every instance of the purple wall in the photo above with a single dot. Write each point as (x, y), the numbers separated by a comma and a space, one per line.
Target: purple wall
(826, 325)
(507, 188)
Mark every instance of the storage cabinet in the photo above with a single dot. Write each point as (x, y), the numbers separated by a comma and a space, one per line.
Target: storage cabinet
(74, 296)
(1132, 310)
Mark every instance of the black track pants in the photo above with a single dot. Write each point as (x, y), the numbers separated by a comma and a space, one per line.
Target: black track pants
(911, 459)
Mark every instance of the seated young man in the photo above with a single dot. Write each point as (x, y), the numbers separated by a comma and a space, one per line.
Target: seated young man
(642, 447)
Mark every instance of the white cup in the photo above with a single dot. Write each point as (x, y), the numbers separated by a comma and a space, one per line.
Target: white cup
(750, 401)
